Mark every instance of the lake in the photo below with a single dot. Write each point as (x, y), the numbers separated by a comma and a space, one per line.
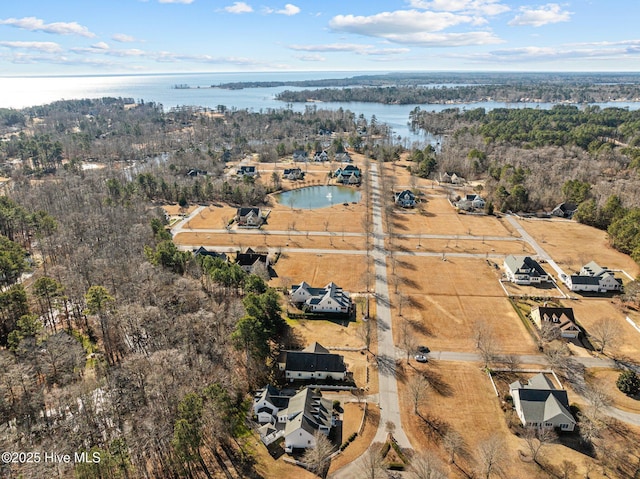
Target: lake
(20, 92)
(313, 197)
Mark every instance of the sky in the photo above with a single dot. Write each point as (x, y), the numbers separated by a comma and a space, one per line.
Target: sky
(70, 37)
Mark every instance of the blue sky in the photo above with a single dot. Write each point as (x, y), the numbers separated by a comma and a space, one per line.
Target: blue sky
(147, 36)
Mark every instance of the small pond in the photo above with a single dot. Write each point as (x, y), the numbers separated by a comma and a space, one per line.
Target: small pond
(313, 197)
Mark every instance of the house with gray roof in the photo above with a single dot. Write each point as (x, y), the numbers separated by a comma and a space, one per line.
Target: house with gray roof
(330, 299)
(249, 171)
(349, 175)
(540, 405)
(560, 318)
(405, 199)
(249, 260)
(312, 363)
(296, 417)
(524, 270)
(594, 278)
(249, 217)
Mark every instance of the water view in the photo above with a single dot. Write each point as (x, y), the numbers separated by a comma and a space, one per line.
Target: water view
(313, 197)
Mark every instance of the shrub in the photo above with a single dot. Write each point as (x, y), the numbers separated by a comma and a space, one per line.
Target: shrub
(396, 466)
(628, 382)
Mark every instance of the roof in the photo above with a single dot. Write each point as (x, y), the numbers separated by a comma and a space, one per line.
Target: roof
(555, 314)
(312, 362)
(202, 251)
(274, 396)
(250, 257)
(308, 410)
(245, 211)
(316, 347)
(331, 290)
(524, 265)
(540, 401)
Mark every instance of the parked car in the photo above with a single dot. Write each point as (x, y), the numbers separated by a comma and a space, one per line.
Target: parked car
(421, 358)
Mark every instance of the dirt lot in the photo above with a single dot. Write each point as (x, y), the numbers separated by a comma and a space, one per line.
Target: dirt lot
(573, 245)
(445, 311)
(457, 245)
(545, 290)
(347, 271)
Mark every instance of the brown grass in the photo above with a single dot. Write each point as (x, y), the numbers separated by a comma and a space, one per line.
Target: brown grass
(361, 443)
(607, 378)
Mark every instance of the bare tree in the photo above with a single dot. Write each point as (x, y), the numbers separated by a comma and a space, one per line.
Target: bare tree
(598, 399)
(418, 387)
(485, 341)
(605, 332)
(536, 439)
(372, 463)
(407, 338)
(318, 458)
(491, 455)
(364, 333)
(453, 444)
(511, 362)
(426, 465)
(567, 469)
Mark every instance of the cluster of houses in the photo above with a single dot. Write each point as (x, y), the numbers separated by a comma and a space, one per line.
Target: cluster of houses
(298, 416)
(591, 278)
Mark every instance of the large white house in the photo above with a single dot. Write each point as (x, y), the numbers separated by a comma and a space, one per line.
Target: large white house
(540, 405)
(330, 299)
(295, 417)
(594, 278)
(524, 270)
(312, 363)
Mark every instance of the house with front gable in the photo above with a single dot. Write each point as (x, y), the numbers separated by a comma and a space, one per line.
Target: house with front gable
(250, 260)
(300, 155)
(471, 202)
(202, 251)
(405, 199)
(524, 270)
(560, 318)
(314, 362)
(321, 156)
(297, 418)
(540, 405)
(330, 299)
(343, 157)
(594, 278)
(349, 175)
(249, 217)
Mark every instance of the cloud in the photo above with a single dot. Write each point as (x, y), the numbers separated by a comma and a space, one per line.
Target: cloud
(239, 7)
(311, 58)
(537, 17)
(289, 10)
(45, 47)
(186, 2)
(349, 48)
(34, 24)
(399, 21)
(473, 7)
(123, 38)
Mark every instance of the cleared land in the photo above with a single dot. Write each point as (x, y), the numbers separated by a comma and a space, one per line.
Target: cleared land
(444, 300)
(607, 378)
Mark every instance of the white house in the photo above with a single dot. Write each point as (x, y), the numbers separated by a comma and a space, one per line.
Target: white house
(321, 156)
(471, 202)
(312, 363)
(249, 171)
(594, 278)
(250, 260)
(524, 270)
(330, 299)
(540, 405)
(293, 174)
(249, 217)
(296, 418)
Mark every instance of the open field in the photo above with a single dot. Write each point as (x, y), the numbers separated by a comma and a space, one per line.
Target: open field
(437, 216)
(239, 240)
(347, 271)
(572, 245)
(336, 218)
(545, 290)
(457, 245)
(444, 311)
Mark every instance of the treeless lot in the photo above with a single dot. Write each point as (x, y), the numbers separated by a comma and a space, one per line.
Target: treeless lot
(572, 245)
(457, 245)
(607, 378)
(445, 306)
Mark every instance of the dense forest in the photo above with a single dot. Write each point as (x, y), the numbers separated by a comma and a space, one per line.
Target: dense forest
(112, 341)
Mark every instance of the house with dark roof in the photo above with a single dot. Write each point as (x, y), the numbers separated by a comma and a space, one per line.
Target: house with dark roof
(249, 171)
(293, 174)
(321, 156)
(300, 155)
(312, 363)
(330, 299)
(564, 210)
(250, 217)
(594, 278)
(560, 318)
(540, 405)
(349, 175)
(524, 270)
(405, 199)
(296, 417)
(250, 260)
(202, 251)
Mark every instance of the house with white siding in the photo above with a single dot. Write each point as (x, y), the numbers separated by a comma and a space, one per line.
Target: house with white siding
(594, 278)
(524, 270)
(314, 362)
(330, 299)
